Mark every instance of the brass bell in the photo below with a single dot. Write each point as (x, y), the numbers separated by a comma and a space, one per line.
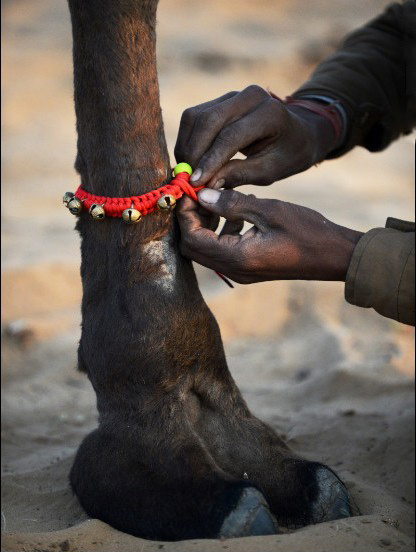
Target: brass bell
(166, 202)
(97, 212)
(67, 197)
(75, 206)
(131, 215)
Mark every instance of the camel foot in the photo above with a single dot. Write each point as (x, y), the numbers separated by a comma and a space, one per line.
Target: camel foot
(251, 517)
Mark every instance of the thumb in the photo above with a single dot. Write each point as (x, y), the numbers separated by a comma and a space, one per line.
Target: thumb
(232, 205)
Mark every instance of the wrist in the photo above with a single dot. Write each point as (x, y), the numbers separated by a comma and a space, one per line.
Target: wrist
(320, 132)
(339, 252)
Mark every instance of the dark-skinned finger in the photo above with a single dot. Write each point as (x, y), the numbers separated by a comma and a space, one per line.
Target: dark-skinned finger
(234, 206)
(237, 172)
(210, 121)
(197, 213)
(210, 250)
(191, 223)
(232, 139)
(232, 227)
(188, 212)
(209, 220)
(188, 120)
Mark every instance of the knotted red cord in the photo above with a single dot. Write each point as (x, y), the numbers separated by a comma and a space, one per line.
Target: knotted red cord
(145, 203)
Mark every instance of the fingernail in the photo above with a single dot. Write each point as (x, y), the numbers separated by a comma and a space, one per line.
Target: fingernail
(219, 184)
(209, 195)
(196, 176)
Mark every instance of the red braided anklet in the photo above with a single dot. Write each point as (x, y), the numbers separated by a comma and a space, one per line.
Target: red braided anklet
(164, 198)
(132, 209)
(145, 203)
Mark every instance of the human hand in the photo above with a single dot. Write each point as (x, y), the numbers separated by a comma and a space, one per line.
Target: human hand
(287, 241)
(277, 140)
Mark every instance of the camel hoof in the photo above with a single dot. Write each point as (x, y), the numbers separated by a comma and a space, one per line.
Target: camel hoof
(332, 501)
(251, 517)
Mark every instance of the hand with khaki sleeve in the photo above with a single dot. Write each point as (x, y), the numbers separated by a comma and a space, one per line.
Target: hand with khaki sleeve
(287, 241)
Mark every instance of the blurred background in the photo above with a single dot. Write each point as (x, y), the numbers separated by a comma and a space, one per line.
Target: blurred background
(304, 359)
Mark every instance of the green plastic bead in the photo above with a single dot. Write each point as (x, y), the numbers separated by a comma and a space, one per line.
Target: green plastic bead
(182, 168)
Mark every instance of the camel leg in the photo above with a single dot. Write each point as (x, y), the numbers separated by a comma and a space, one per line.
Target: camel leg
(175, 436)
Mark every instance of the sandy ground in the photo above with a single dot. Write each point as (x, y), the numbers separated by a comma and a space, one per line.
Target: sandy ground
(335, 380)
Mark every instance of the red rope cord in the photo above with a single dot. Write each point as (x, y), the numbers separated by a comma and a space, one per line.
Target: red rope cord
(145, 203)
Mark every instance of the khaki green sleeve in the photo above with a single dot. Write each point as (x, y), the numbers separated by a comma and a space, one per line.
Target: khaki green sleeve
(381, 274)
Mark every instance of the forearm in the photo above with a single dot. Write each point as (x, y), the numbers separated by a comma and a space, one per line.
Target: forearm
(371, 75)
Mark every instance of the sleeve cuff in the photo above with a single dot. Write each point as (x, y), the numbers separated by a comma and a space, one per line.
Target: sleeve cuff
(342, 113)
(381, 274)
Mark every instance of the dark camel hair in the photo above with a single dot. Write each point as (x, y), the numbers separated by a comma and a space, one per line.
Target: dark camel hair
(177, 453)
